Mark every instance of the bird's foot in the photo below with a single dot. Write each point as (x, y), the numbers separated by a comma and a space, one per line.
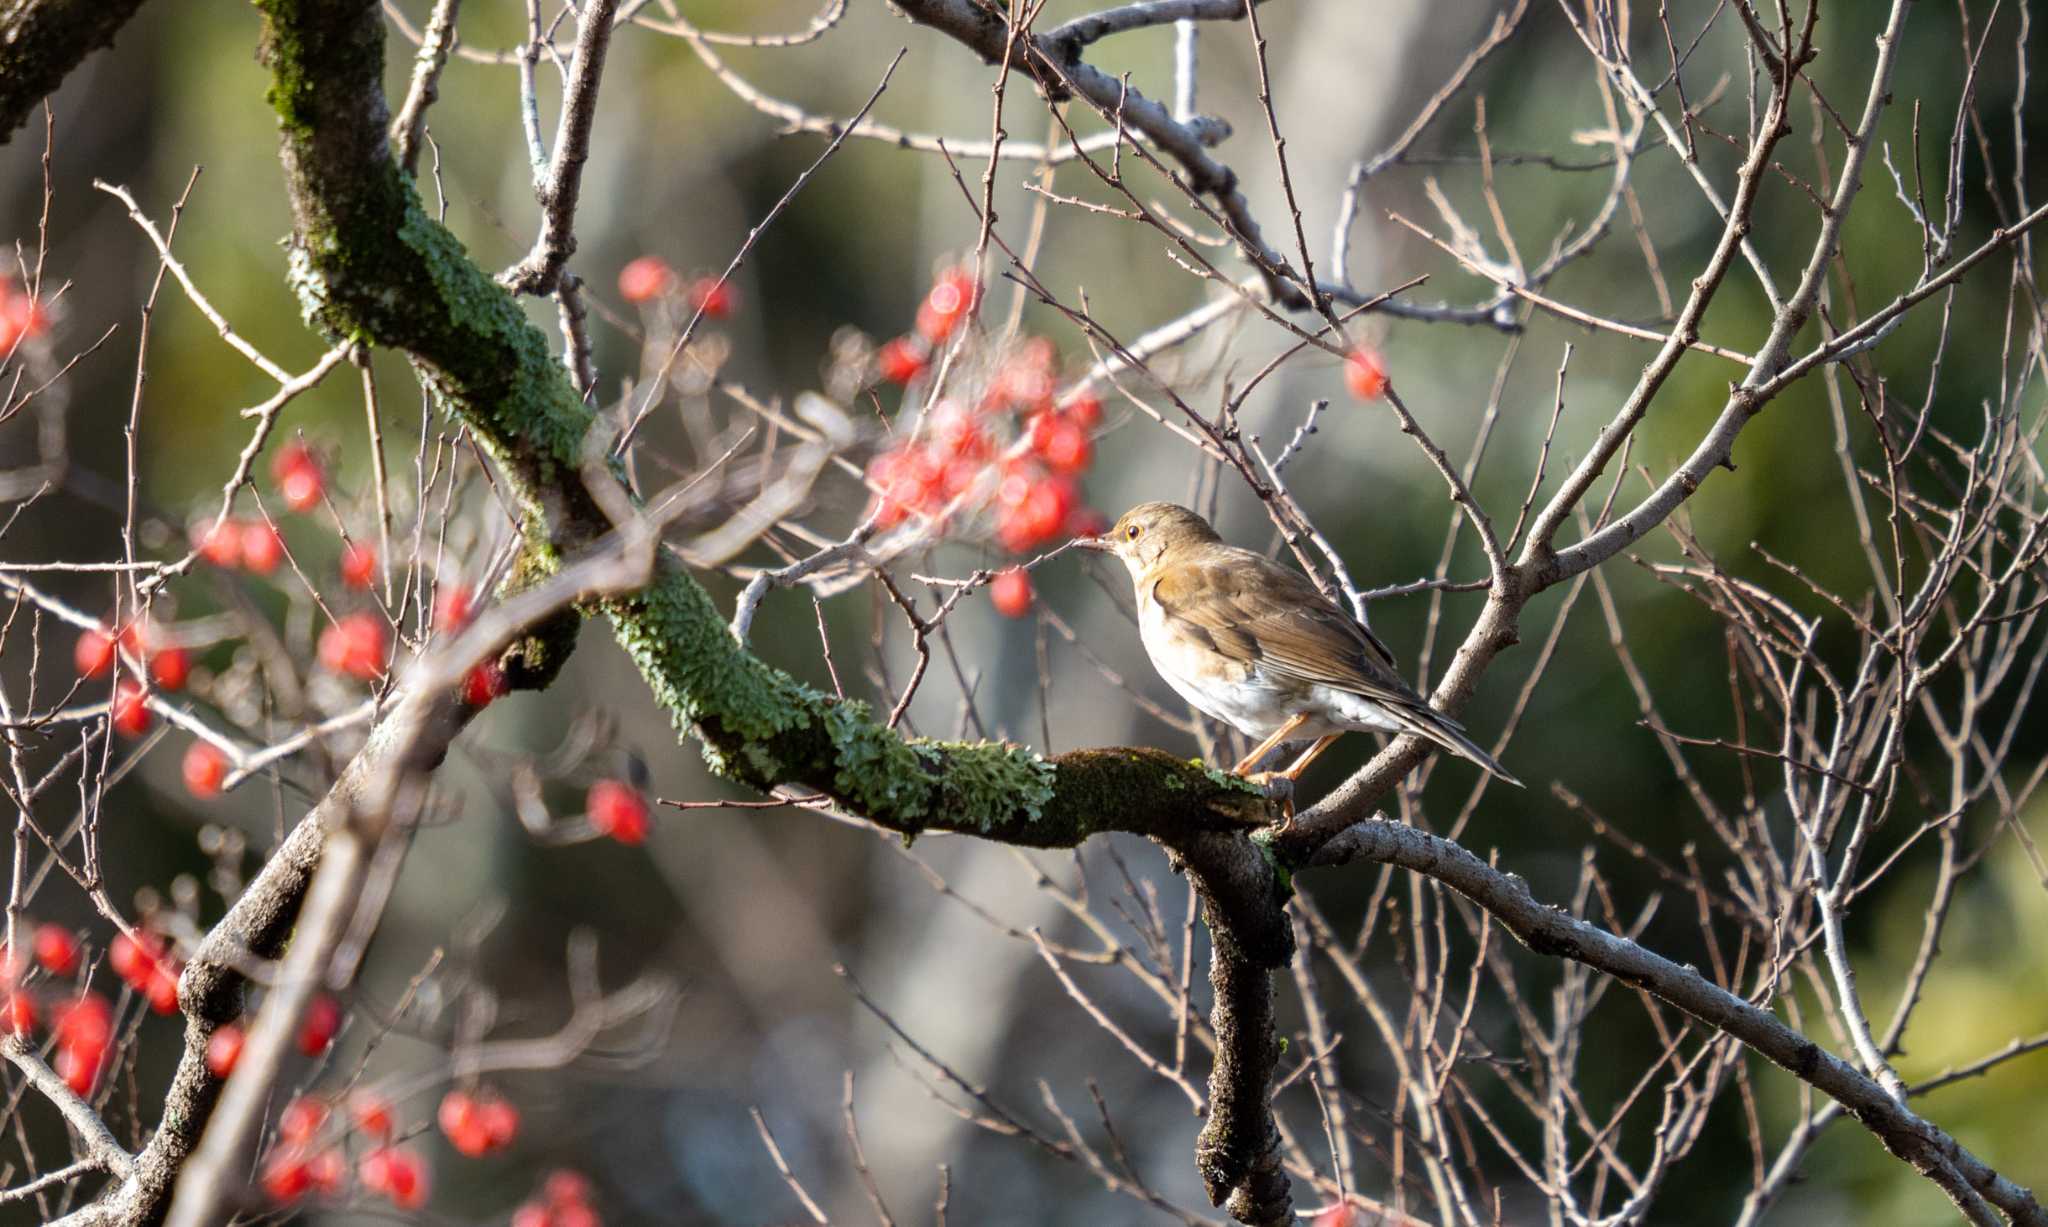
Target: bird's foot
(1278, 786)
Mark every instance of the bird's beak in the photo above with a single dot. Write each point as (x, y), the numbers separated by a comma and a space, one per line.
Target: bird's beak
(1104, 544)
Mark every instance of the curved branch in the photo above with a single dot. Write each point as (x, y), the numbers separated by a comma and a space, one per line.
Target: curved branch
(41, 41)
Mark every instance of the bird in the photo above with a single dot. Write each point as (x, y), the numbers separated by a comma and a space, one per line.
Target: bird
(1253, 643)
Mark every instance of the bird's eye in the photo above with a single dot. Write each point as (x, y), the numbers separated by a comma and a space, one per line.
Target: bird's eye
(1131, 533)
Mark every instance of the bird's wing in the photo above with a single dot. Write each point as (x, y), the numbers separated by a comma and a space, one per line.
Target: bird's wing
(1257, 611)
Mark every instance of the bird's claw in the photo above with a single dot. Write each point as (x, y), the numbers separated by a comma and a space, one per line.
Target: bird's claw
(1278, 787)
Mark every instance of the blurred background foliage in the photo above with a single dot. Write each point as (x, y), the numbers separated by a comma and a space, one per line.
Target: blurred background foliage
(752, 910)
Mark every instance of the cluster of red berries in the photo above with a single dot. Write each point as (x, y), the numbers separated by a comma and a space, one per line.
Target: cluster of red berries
(563, 1201)
(166, 665)
(478, 1122)
(56, 952)
(617, 810)
(650, 279)
(1015, 448)
(21, 316)
(148, 967)
(303, 1164)
(82, 1025)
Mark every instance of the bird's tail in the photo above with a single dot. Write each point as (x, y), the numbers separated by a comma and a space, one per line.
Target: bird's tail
(1429, 723)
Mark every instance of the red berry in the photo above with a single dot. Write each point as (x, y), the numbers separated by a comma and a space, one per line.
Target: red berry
(219, 542)
(371, 1113)
(576, 1214)
(483, 684)
(355, 646)
(1011, 593)
(1085, 522)
(500, 1120)
(1085, 408)
(327, 1170)
(224, 1048)
(565, 1187)
(900, 360)
(301, 1119)
(317, 1028)
(646, 279)
(17, 1013)
(1339, 1215)
(291, 457)
(463, 1123)
(714, 296)
(205, 769)
(452, 606)
(358, 564)
(262, 548)
(86, 1021)
(617, 809)
(56, 949)
(94, 653)
(1067, 448)
(171, 668)
(952, 297)
(396, 1172)
(286, 1176)
(131, 709)
(79, 1066)
(162, 987)
(532, 1214)
(1365, 373)
(302, 487)
(133, 958)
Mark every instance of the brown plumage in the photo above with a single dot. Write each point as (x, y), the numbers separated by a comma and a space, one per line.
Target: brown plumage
(1253, 643)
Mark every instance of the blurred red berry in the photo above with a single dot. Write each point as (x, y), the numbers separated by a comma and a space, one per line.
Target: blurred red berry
(1339, 1215)
(17, 1012)
(714, 297)
(355, 646)
(219, 542)
(299, 476)
(205, 769)
(372, 1114)
(317, 1029)
(1067, 447)
(302, 1118)
(56, 949)
(951, 299)
(460, 1119)
(1085, 408)
(131, 714)
(1044, 510)
(396, 1172)
(262, 548)
(565, 1187)
(452, 606)
(327, 1171)
(85, 1021)
(1365, 373)
(576, 1214)
(161, 989)
(1011, 593)
(900, 360)
(646, 279)
(93, 655)
(532, 1214)
(1085, 522)
(617, 809)
(20, 316)
(286, 1176)
(171, 668)
(224, 1048)
(133, 958)
(358, 564)
(483, 684)
(500, 1120)
(79, 1066)
(301, 488)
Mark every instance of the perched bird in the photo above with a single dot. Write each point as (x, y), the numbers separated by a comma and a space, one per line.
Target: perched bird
(1253, 643)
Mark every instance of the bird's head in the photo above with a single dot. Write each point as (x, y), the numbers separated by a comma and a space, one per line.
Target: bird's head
(1150, 532)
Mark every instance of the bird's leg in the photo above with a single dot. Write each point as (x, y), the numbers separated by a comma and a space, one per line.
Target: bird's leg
(1266, 747)
(1314, 752)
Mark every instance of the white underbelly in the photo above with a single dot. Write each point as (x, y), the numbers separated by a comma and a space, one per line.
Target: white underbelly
(1256, 707)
